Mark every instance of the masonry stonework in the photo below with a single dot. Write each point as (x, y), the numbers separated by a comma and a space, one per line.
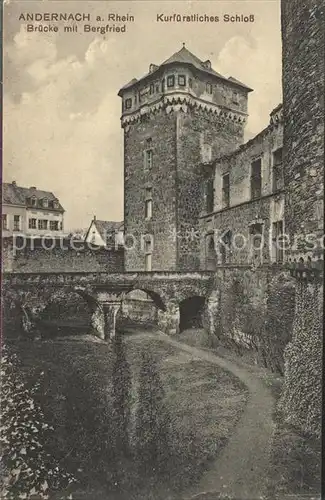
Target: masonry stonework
(181, 114)
(242, 210)
(303, 112)
(78, 257)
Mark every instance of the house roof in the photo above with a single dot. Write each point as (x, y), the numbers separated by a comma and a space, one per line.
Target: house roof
(107, 229)
(108, 226)
(12, 194)
(184, 56)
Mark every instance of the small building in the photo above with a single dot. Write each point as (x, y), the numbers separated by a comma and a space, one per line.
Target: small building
(30, 211)
(105, 233)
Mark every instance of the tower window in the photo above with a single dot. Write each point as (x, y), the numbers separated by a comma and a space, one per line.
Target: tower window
(163, 85)
(235, 97)
(148, 252)
(170, 81)
(256, 179)
(278, 181)
(209, 88)
(128, 103)
(148, 159)
(152, 89)
(190, 82)
(148, 204)
(225, 191)
(181, 80)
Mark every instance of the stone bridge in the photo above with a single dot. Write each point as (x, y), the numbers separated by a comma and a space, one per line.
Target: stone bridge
(104, 292)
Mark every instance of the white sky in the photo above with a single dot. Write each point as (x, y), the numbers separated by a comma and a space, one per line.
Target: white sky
(61, 110)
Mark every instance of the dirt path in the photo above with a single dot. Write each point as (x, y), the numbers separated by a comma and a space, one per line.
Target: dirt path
(241, 467)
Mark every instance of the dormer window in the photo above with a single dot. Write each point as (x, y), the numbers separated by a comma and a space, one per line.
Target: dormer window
(171, 81)
(55, 204)
(45, 202)
(181, 80)
(33, 201)
(209, 88)
(152, 89)
(128, 103)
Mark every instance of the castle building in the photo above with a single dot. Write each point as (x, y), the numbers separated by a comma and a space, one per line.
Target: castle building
(242, 221)
(30, 211)
(178, 115)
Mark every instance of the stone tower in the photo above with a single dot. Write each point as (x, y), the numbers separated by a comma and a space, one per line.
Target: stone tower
(178, 116)
(303, 117)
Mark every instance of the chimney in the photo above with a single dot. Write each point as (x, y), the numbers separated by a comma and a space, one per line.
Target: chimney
(94, 217)
(153, 67)
(33, 188)
(207, 64)
(14, 183)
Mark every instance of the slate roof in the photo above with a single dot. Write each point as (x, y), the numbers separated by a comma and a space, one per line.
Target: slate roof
(184, 56)
(12, 194)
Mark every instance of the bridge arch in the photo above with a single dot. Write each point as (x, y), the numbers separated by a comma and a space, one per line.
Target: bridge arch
(157, 298)
(191, 311)
(68, 310)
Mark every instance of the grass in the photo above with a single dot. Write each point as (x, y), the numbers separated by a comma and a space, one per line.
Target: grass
(295, 457)
(203, 400)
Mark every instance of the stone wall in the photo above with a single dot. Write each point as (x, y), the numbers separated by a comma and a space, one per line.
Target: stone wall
(251, 312)
(238, 165)
(242, 210)
(161, 178)
(178, 139)
(197, 129)
(303, 114)
(237, 220)
(61, 258)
